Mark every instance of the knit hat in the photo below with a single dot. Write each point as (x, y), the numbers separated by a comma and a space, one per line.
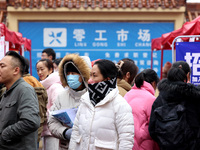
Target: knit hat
(71, 68)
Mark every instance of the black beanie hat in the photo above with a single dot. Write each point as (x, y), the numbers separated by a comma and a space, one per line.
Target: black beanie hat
(71, 68)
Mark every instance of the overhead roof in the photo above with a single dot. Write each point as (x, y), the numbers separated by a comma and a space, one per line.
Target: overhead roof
(98, 3)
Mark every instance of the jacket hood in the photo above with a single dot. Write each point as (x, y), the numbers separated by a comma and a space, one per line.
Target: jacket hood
(123, 84)
(32, 80)
(79, 63)
(50, 80)
(146, 86)
(178, 88)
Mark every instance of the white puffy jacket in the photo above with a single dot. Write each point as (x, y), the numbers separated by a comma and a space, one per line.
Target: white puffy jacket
(108, 125)
(65, 100)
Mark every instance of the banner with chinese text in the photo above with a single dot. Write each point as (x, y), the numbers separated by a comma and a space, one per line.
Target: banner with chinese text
(190, 52)
(98, 40)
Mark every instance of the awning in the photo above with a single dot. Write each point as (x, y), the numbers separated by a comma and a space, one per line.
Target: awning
(165, 41)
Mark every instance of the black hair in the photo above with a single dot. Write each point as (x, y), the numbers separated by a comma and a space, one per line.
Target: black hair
(183, 65)
(57, 61)
(26, 70)
(147, 75)
(19, 60)
(176, 74)
(129, 66)
(107, 68)
(48, 63)
(50, 52)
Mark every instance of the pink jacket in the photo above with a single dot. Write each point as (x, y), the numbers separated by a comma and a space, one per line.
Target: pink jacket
(53, 86)
(141, 101)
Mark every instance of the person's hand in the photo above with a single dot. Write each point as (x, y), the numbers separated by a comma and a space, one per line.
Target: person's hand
(68, 134)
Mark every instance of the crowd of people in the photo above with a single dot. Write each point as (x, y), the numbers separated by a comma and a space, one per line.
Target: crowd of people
(117, 107)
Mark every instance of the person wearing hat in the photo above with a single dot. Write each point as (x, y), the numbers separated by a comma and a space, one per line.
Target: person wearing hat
(74, 73)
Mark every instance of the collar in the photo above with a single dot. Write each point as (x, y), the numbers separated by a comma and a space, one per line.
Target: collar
(76, 94)
(13, 86)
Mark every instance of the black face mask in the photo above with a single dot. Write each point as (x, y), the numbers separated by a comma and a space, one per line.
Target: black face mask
(97, 91)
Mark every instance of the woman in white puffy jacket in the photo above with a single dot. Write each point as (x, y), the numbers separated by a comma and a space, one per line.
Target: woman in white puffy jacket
(104, 119)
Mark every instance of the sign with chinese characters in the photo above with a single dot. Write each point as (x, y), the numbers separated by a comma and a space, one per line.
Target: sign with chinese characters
(190, 52)
(98, 40)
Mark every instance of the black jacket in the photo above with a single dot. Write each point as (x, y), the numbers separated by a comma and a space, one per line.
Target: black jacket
(177, 92)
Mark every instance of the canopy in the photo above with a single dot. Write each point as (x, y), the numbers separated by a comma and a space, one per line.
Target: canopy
(165, 41)
(16, 41)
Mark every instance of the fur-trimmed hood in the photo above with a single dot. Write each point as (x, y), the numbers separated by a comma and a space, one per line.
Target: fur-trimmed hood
(80, 64)
(178, 88)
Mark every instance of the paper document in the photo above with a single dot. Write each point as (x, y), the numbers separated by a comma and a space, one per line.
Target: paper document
(66, 116)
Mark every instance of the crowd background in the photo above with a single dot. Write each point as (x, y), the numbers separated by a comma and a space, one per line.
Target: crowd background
(111, 98)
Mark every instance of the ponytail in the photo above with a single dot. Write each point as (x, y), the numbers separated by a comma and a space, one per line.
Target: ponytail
(139, 79)
(147, 75)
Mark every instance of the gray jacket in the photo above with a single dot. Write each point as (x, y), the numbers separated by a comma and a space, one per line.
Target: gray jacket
(19, 118)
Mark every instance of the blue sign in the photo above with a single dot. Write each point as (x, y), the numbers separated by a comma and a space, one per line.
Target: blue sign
(98, 40)
(190, 52)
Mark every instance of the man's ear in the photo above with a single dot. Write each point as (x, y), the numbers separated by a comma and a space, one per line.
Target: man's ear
(16, 71)
(50, 57)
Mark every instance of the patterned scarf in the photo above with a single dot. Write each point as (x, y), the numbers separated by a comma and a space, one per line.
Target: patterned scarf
(97, 91)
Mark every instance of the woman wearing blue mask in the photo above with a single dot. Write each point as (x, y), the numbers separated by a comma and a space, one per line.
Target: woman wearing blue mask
(74, 73)
(104, 119)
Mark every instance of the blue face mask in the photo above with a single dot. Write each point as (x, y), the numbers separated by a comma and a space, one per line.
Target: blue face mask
(73, 81)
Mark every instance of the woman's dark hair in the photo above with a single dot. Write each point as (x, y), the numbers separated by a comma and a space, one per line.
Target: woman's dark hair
(48, 63)
(107, 68)
(128, 66)
(57, 61)
(176, 74)
(183, 65)
(147, 75)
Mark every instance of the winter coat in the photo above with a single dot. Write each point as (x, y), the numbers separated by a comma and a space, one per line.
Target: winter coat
(53, 86)
(123, 87)
(2, 90)
(42, 100)
(19, 117)
(141, 100)
(178, 92)
(69, 98)
(107, 125)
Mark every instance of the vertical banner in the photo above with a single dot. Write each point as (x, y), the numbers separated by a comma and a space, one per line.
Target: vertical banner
(190, 52)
